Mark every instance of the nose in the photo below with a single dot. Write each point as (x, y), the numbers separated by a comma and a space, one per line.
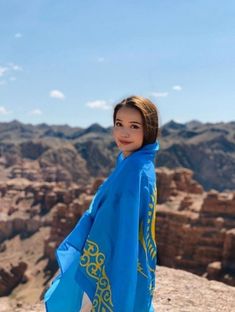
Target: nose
(124, 132)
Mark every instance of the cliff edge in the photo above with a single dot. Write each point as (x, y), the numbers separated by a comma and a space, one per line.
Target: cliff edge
(176, 291)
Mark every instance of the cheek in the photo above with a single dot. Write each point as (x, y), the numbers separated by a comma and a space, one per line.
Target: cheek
(115, 132)
(141, 135)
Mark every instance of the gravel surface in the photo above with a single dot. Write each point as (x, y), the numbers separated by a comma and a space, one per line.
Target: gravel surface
(176, 291)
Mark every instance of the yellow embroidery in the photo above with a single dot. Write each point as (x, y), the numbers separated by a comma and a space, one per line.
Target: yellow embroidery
(149, 244)
(94, 262)
(141, 237)
(141, 270)
(152, 287)
(151, 223)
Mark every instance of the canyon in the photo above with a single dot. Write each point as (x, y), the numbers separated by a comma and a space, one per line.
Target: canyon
(49, 175)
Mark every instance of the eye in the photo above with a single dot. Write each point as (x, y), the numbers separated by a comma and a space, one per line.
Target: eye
(118, 124)
(135, 126)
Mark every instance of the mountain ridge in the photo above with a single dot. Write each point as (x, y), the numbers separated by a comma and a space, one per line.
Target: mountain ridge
(208, 149)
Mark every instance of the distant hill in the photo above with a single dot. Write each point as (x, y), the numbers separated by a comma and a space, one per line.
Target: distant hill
(206, 148)
(57, 152)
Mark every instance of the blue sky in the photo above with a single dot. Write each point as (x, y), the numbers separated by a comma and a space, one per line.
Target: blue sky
(69, 62)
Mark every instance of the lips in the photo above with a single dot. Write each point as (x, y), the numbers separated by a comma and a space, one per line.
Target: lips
(124, 142)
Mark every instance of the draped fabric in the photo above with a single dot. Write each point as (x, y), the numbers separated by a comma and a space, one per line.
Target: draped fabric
(111, 254)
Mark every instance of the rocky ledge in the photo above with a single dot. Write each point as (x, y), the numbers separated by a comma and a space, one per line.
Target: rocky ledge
(176, 291)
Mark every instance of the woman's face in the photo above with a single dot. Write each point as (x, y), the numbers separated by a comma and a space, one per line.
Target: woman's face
(128, 131)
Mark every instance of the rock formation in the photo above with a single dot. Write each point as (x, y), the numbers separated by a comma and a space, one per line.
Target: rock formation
(26, 209)
(10, 279)
(63, 153)
(195, 230)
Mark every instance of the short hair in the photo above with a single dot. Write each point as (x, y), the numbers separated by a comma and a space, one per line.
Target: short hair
(149, 113)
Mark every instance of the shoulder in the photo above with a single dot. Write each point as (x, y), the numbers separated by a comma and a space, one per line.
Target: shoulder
(137, 173)
(146, 169)
(137, 163)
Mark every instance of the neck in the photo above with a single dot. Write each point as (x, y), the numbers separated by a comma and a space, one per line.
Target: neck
(126, 154)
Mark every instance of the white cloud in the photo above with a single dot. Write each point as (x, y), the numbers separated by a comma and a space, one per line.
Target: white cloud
(100, 59)
(159, 94)
(18, 35)
(4, 111)
(177, 88)
(15, 67)
(3, 70)
(57, 94)
(100, 104)
(9, 68)
(36, 112)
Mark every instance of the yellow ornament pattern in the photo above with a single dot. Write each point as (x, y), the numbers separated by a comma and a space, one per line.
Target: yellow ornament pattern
(94, 262)
(151, 224)
(149, 243)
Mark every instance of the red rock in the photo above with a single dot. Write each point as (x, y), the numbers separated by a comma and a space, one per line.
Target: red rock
(10, 279)
(195, 228)
(229, 251)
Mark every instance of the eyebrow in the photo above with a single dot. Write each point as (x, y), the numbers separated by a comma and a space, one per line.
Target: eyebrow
(130, 121)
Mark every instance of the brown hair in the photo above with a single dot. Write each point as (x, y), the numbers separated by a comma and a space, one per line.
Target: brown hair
(149, 113)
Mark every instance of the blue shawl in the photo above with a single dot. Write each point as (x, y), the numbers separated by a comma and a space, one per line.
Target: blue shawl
(111, 253)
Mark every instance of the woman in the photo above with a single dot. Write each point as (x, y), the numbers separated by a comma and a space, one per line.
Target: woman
(108, 261)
